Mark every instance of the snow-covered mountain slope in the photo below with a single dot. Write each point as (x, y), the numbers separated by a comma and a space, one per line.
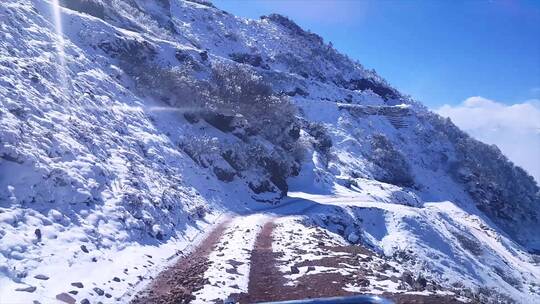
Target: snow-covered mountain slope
(125, 136)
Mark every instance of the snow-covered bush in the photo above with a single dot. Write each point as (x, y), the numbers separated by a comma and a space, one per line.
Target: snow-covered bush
(268, 165)
(251, 59)
(175, 86)
(395, 169)
(233, 93)
(293, 27)
(234, 99)
(470, 243)
(299, 65)
(377, 87)
(238, 90)
(321, 139)
(201, 149)
(504, 192)
(91, 7)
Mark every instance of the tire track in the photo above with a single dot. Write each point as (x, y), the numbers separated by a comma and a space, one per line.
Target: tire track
(264, 276)
(267, 282)
(178, 283)
(230, 267)
(333, 267)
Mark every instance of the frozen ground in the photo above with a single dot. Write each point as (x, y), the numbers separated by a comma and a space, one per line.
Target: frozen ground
(98, 192)
(229, 271)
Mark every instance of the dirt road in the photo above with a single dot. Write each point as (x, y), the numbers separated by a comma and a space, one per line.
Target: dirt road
(330, 268)
(258, 258)
(177, 283)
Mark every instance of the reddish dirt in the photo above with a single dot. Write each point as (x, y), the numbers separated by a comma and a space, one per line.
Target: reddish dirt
(177, 283)
(267, 282)
(264, 277)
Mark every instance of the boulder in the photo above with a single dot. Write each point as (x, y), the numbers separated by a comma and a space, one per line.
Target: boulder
(27, 289)
(408, 278)
(99, 291)
(41, 277)
(66, 298)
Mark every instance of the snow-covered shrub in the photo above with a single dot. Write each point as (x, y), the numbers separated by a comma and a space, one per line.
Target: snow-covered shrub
(299, 65)
(91, 7)
(395, 169)
(293, 27)
(176, 86)
(260, 185)
(251, 59)
(236, 100)
(201, 149)
(492, 295)
(404, 197)
(207, 152)
(508, 277)
(297, 91)
(295, 63)
(131, 53)
(321, 139)
(236, 89)
(506, 193)
(470, 243)
(277, 163)
(233, 93)
(145, 16)
(267, 167)
(379, 88)
(188, 61)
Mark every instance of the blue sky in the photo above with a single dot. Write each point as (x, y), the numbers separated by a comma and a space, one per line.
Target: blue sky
(440, 52)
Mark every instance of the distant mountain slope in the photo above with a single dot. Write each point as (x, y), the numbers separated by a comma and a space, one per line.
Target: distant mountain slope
(174, 112)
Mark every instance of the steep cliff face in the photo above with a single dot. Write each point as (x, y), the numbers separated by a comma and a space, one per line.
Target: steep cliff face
(158, 116)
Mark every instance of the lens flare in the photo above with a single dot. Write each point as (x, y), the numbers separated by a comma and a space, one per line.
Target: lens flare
(60, 45)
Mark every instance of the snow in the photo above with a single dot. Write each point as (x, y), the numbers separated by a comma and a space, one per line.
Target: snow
(290, 230)
(431, 233)
(229, 271)
(134, 265)
(94, 163)
(307, 239)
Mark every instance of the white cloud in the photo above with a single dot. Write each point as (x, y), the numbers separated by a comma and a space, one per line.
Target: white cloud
(515, 129)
